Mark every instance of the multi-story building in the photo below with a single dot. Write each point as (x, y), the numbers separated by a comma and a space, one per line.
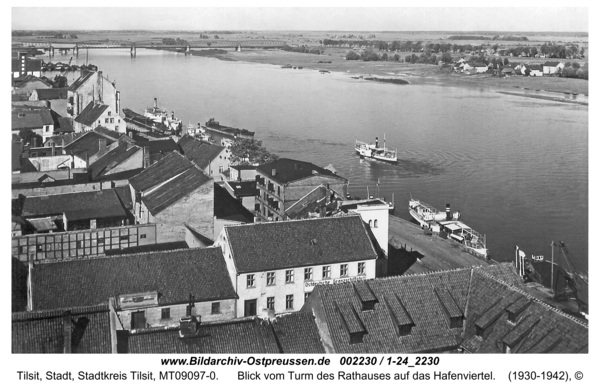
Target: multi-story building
(149, 289)
(285, 181)
(92, 87)
(276, 265)
(98, 114)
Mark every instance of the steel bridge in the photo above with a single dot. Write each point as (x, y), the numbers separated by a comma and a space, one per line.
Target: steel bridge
(52, 46)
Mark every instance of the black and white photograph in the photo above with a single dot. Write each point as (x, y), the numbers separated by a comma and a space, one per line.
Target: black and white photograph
(367, 186)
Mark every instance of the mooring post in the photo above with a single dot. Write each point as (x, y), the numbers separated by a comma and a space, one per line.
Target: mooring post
(133, 51)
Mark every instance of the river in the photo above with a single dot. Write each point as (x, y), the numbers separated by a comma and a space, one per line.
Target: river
(515, 167)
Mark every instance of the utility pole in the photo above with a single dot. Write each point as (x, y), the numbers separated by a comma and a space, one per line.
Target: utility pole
(552, 269)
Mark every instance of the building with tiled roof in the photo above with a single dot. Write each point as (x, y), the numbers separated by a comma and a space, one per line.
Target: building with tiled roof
(122, 158)
(93, 87)
(551, 67)
(25, 85)
(158, 148)
(98, 114)
(173, 192)
(77, 211)
(276, 265)
(66, 330)
(87, 147)
(49, 94)
(297, 333)
(212, 159)
(150, 289)
(39, 120)
(285, 181)
(477, 310)
(244, 191)
(244, 335)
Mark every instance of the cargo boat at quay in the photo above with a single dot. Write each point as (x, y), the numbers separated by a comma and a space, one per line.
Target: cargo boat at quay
(214, 127)
(448, 224)
(375, 152)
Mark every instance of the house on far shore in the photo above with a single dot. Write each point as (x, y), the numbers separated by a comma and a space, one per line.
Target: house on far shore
(551, 67)
(507, 71)
(536, 71)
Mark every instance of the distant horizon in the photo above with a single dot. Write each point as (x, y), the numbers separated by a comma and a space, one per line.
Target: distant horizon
(358, 31)
(340, 19)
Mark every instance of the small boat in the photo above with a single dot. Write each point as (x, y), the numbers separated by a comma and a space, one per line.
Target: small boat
(375, 152)
(287, 66)
(448, 223)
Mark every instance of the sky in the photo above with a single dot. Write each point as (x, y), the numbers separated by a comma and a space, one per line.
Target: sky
(309, 18)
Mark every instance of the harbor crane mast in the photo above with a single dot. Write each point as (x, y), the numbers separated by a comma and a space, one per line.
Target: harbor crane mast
(575, 280)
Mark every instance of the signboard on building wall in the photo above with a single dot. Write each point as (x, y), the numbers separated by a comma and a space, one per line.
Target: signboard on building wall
(310, 285)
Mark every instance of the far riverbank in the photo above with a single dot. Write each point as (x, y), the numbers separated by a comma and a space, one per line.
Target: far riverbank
(413, 73)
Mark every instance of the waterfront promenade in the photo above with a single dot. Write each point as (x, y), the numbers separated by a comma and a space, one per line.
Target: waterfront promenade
(435, 253)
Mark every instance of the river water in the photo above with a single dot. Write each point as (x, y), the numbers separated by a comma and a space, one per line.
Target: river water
(515, 167)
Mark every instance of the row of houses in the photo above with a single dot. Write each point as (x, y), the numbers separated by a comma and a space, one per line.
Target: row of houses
(533, 70)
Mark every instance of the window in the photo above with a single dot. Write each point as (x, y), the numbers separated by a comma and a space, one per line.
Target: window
(109, 113)
(112, 120)
(370, 223)
(250, 280)
(105, 120)
(289, 276)
(343, 270)
(326, 272)
(375, 223)
(361, 268)
(271, 303)
(308, 273)
(220, 168)
(270, 278)
(116, 128)
(165, 314)
(142, 236)
(215, 308)
(289, 302)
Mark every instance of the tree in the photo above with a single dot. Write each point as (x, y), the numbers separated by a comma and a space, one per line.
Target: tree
(576, 65)
(447, 57)
(249, 151)
(396, 57)
(384, 57)
(505, 61)
(352, 56)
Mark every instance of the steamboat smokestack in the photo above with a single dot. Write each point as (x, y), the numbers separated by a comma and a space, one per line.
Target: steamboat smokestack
(448, 213)
(376, 142)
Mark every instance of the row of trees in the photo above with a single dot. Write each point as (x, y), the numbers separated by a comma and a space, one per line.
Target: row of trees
(304, 49)
(494, 38)
(174, 41)
(573, 70)
(568, 50)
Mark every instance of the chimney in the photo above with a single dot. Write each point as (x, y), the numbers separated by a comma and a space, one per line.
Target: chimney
(155, 103)
(118, 103)
(66, 322)
(34, 142)
(53, 150)
(448, 213)
(273, 172)
(173, 115)
(322, 211)
(101, 145)
(146, 157)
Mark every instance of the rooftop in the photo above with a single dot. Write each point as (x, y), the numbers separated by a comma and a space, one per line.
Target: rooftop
(242, 335)
(91, 113)
(31, 119)
(52, 93)
(173, 274)
(44, 331)
(441, 311)
(295, 243)
(80, 81)
(297, 333)
(76, 206)
(229, 208)
(161, 171)
(88, 144)
(201, 153)
(112, 159)
(288, 170)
